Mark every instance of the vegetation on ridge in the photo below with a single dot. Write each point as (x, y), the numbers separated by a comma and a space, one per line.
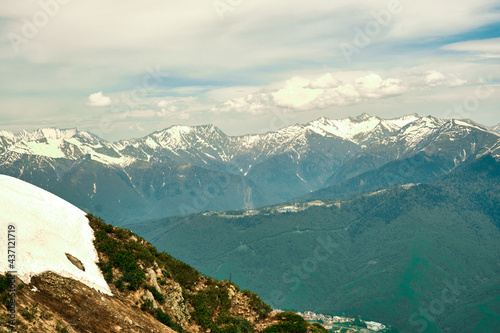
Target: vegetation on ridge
(124, 258)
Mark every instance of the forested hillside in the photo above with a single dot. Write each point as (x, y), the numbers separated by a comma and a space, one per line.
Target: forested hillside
(419, 257)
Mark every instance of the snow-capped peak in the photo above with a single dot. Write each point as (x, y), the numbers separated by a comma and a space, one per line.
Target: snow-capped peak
(47, 228)
(404, 120)
(347, 128)
(54, 134)
(362, 117)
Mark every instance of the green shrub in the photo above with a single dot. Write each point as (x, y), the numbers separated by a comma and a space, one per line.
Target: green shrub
(5, 282)
(257, 304)
(290, 323)
(317, 328)
(107, 271)
(119, 284)
(157, 295)
(147, 305)
(206, 303)
(165, 319)
(119, 257)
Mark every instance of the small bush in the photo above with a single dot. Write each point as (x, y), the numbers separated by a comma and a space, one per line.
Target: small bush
(290, 323)
(317, 328)
(120, 285)
(157, 295)
(165, 319)
(147, 305)
(30, 313)
(257, 304)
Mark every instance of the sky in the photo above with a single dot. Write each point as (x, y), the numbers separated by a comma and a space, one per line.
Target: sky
(122, 69)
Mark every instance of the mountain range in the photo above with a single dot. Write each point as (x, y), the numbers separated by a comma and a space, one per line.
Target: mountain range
(186, 169)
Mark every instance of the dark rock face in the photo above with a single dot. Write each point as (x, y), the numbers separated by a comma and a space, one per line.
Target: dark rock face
(75, 261)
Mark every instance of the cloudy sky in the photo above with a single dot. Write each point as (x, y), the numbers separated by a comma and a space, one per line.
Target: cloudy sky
(123, 68)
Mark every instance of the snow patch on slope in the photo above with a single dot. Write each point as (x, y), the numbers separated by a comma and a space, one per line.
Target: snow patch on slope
(47, 227)
(50, 149)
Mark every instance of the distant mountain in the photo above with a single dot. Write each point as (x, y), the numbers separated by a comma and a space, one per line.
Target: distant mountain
(79, 274)
(186, 169)
(422, 257)
(425, 149)
(496, 128)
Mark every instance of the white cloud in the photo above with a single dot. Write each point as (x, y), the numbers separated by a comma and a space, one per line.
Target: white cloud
(117, 39)
(324, 82)
(254, 104)
(98, 99)
(433, 78)
(296, 94)
(373, 86)
(163, 104)
(485, 48)
(300, 93)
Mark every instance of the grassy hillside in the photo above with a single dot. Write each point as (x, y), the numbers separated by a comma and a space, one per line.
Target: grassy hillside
(424, 258)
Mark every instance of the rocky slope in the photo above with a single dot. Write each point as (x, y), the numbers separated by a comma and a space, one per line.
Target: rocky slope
(151, 292)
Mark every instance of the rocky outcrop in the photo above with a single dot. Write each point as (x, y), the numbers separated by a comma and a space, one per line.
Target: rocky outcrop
(175, 301)
(148, 296)
(75, 261)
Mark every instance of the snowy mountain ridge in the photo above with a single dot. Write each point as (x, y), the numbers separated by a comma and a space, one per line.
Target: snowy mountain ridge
(209, 144)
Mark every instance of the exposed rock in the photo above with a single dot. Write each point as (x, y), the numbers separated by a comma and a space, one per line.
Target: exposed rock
(75, 261)
(153, 280)
(175, 301)
(231, 290)
(148, 296)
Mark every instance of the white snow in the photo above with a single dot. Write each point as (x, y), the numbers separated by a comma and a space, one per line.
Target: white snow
(468, 124)
(402, 121)
(47, 227)
(344, 128)
(49, 149)
(151, 143)
(108, 160)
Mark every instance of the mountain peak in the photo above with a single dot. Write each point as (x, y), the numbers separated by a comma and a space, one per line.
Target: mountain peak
(55, 134)
(362, 117)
